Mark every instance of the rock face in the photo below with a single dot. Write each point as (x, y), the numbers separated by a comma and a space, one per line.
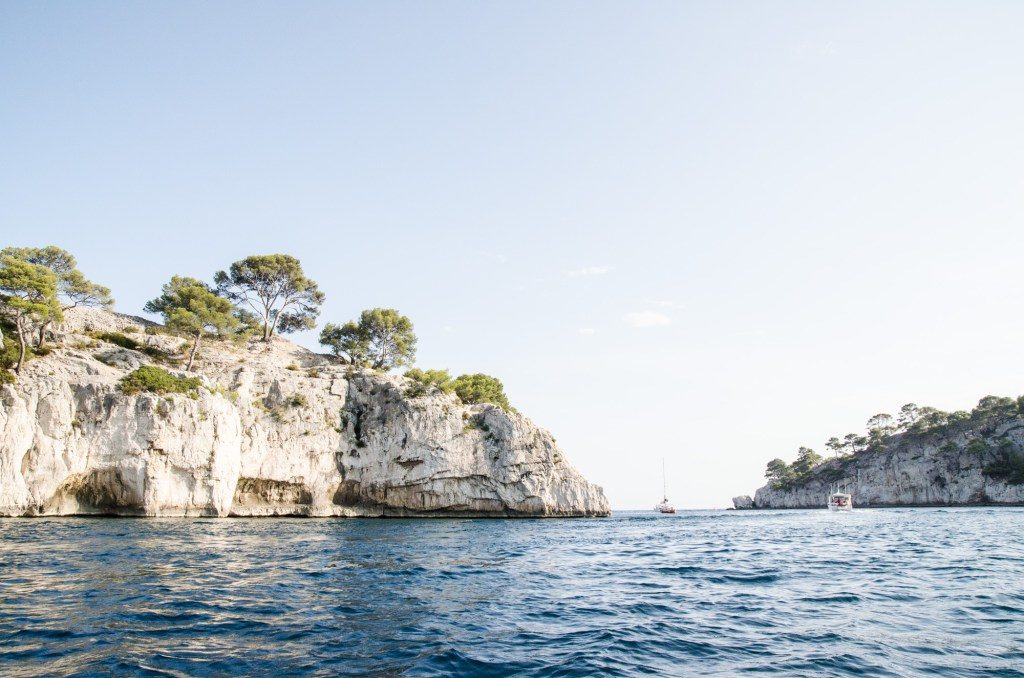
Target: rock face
(743, 502)
(275, 430)
(951, 469)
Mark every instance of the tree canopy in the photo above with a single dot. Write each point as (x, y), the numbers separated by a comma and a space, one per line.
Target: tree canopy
(481, 388)
(423, 381)
(191, 308)
(382, 338)
(73, 288)
(777, 471)
(806, 459)
(276, 289)
(28, 294)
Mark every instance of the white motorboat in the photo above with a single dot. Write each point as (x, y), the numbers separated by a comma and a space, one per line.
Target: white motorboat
(840, 501)
(664, 506)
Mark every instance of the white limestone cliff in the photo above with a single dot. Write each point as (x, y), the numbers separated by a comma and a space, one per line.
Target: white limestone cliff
(928, 470)
(275, 430)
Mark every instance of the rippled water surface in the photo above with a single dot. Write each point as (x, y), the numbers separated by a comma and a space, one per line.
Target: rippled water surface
(908, 592)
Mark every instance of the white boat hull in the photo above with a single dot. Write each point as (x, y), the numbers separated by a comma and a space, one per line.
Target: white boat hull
(839, 501)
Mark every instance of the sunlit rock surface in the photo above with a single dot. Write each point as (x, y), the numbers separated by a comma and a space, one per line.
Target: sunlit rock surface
(925, 470)
(276, 430)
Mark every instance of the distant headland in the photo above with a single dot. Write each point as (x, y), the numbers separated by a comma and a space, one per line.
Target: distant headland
(921, 457)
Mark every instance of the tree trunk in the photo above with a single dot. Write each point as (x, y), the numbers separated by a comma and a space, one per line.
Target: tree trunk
(268, 329)
(192, 353)
(22, 345)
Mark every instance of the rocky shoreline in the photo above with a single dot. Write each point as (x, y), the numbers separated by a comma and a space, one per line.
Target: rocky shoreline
(963, 459)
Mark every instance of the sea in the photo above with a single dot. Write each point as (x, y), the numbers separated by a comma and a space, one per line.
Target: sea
(888, 592)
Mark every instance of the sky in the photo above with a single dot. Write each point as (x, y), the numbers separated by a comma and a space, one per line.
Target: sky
(700, 232)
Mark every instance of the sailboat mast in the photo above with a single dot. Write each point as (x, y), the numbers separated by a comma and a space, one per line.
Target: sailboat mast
(664, 485)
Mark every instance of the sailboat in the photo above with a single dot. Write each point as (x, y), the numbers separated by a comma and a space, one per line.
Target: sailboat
(664, 506)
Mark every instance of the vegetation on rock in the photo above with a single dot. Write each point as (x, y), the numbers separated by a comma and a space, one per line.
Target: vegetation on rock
(980, 428)
(276, 289)
(481, 388)
(73, 288)
(191, 308)
(28, 297)
(262, 293)
(119, 339)
(154, 379)
(425, 381)
(382, 338)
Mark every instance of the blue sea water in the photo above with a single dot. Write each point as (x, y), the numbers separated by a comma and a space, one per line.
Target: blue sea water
(877, 592)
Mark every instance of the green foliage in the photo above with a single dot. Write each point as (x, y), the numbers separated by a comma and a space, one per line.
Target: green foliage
(425, 381)
(783, 476)
(778, 473)
(978, 447)
(481, 388)
(1009, 468)
(274, 286)
(382, 339)
(980, 425)
(9, 349)
(157, 380)
(119, 339)
(908, 415)
(993, 410)
(298, 400)
(28, 297)
(225, 393)
(191, 308)
(72, 286)
(806, 460)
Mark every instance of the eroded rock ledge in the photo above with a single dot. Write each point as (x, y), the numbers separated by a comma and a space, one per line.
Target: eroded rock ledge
(276, 430)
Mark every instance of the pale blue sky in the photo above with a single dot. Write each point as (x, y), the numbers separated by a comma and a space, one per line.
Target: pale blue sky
(706, 231)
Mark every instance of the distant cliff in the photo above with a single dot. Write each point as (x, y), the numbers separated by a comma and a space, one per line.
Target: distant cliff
(264, 429)
(934, 459)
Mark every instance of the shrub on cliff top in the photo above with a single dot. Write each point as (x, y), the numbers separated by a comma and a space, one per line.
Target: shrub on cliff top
(423, 381)
(481, 388)
(158, 380)
(119, 339)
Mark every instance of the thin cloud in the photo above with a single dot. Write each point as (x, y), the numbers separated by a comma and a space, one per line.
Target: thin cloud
(493, 256)
(588, 270)
(587, 331)
(664, 303)
(646, 319)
